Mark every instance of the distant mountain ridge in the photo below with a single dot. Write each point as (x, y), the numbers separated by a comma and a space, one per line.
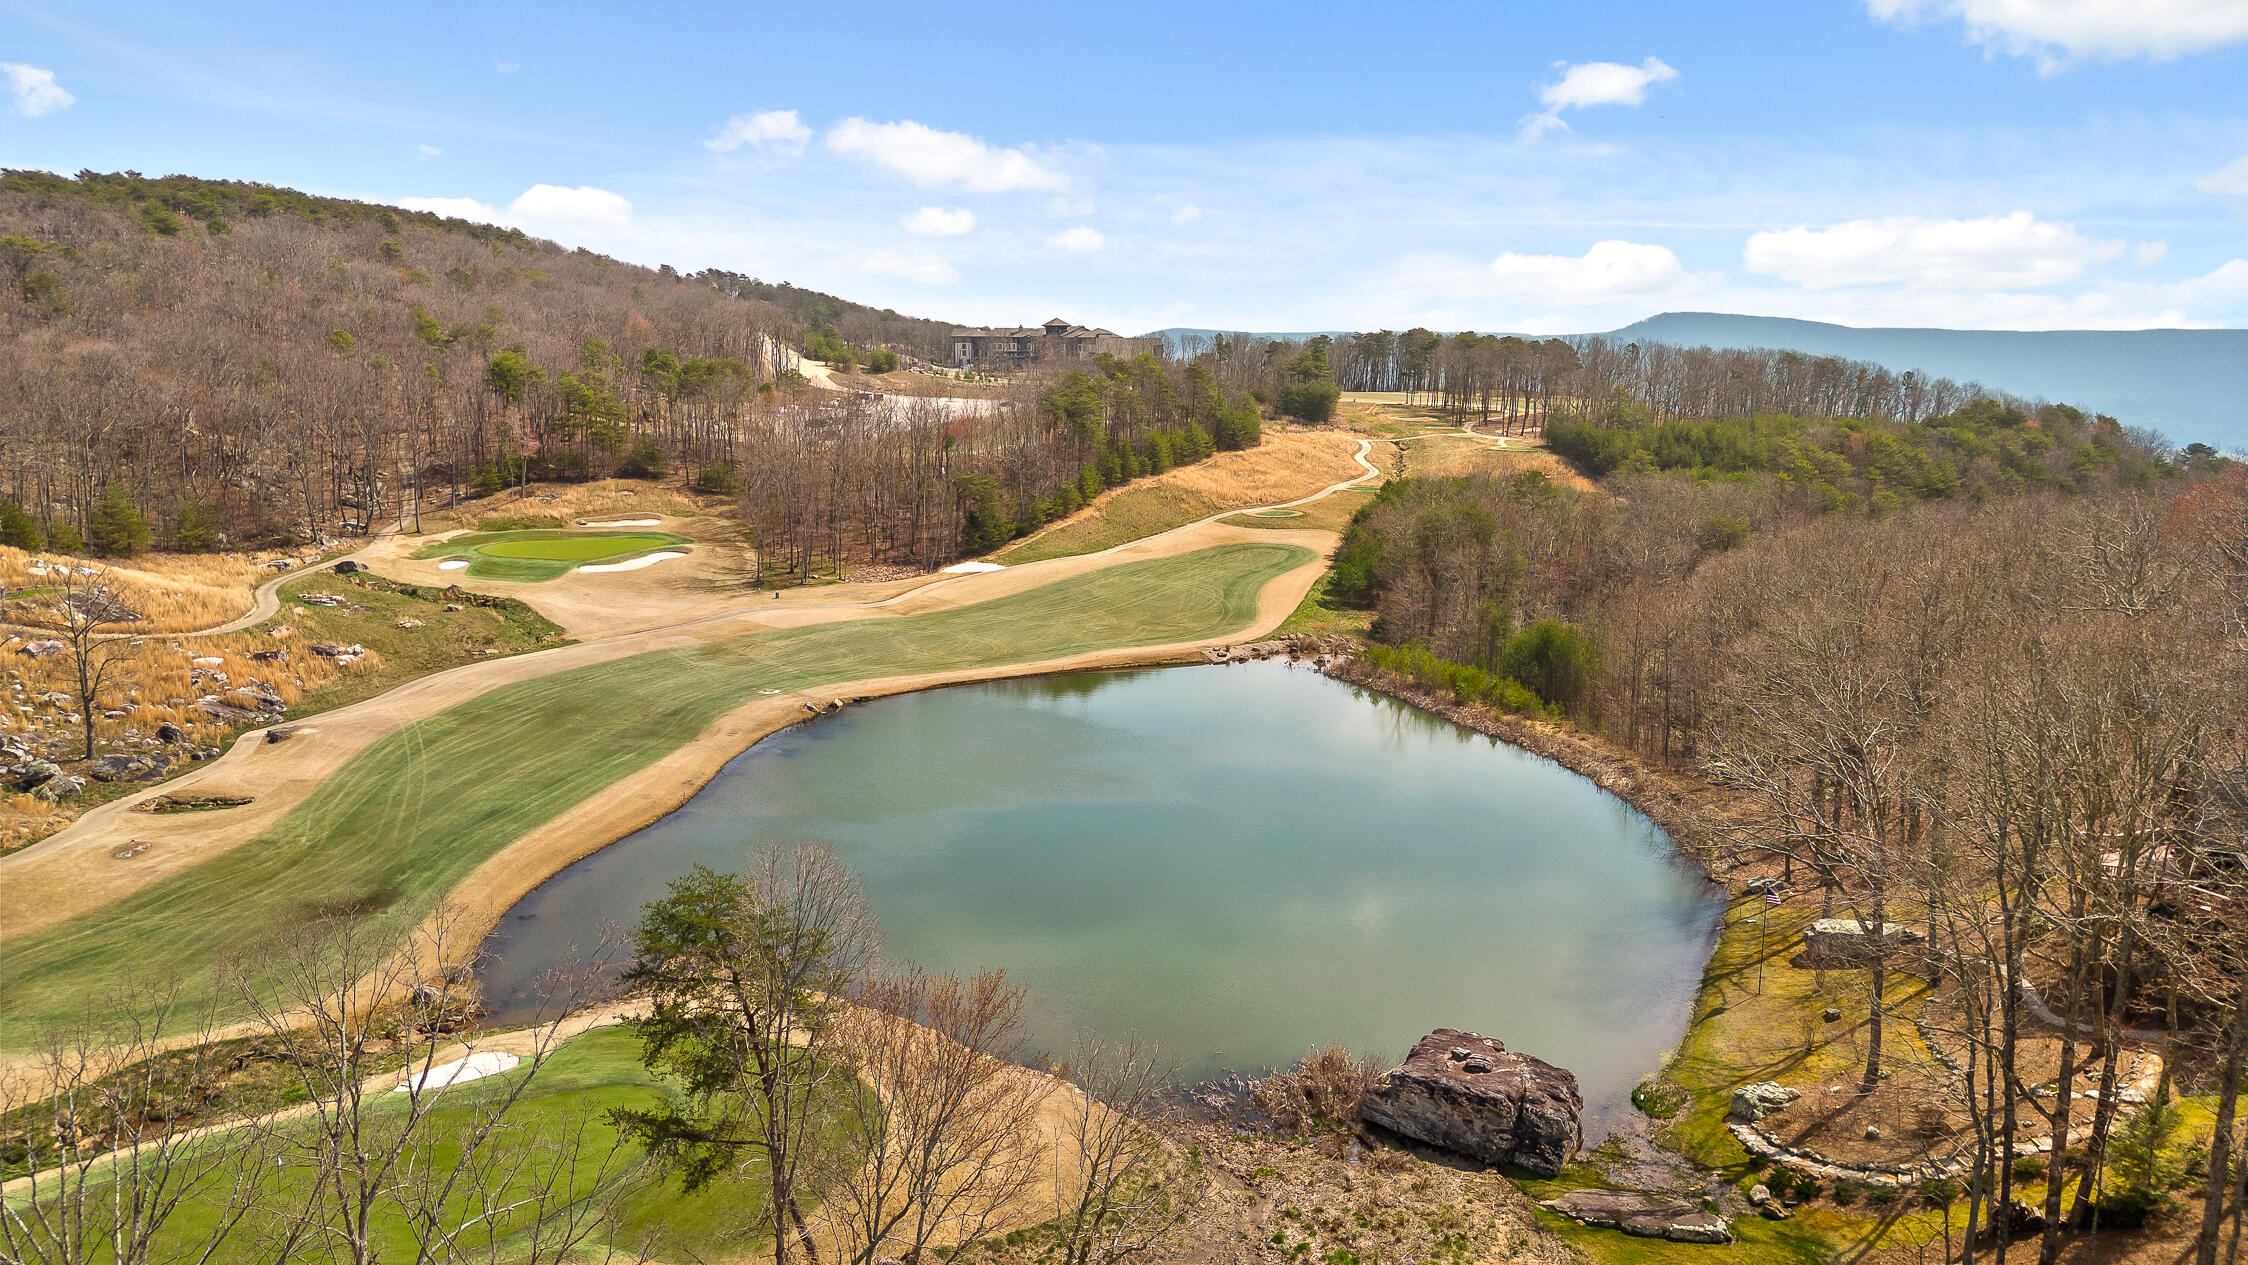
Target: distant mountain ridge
(2190, 384)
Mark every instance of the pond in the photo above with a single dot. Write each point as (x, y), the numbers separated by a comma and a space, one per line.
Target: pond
(1240, 862)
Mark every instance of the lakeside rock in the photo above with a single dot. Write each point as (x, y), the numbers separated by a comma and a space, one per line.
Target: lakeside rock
(1647, 1214)
(1468, 1093)
(1759, 1099)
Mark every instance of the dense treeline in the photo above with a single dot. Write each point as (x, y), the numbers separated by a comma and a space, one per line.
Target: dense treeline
(1523, 383)
(2009, 719)
(1982, 448)
(269, 363)
(1458, 565)
(915, 484)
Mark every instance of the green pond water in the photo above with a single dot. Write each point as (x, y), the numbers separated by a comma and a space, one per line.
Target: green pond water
(1240, 862)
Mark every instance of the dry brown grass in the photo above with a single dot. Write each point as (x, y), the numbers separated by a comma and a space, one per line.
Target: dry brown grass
(153, 685)
(172, 592)
(1289, 463)
(571, 502)
(1440, 458)
(1292, 462)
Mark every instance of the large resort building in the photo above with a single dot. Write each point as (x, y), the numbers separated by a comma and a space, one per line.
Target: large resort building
(1022, 347)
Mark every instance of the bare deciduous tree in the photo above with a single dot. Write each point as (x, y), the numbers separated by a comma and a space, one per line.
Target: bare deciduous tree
(942, 1142)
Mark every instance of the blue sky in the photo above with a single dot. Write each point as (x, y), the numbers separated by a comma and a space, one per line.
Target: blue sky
(1980, 163)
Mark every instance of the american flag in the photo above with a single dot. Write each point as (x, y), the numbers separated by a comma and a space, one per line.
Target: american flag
(1771, 896)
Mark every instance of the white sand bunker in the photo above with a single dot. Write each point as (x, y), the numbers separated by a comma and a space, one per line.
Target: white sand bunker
(634, 564)
(474, 1067)
(453, 564)
(971, 568)
(621, 522)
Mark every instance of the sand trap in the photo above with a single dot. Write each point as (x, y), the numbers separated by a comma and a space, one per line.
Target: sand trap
(453, 564)
(474, 1067)
(634, 564)
(971, 568)
(621, 522)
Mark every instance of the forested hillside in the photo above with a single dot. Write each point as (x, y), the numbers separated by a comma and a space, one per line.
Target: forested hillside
(274, 364)
(190, 363)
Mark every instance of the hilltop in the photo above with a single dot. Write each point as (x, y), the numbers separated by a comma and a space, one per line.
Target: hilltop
(2185, 383)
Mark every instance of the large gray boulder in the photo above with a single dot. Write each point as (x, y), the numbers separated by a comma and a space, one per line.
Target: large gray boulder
(1468, 1093)
(1647, 1214)
(1758, 1099)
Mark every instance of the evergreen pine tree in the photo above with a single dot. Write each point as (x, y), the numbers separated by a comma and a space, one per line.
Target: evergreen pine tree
(16, 528)
(119, 529)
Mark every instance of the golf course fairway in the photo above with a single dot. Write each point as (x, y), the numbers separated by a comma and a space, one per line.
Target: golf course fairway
(402, 823)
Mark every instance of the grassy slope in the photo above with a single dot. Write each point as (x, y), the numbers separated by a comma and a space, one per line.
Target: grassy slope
(582, 1080)
(1751, 1027)
(446, 639)
(412, 816)
(1330, 513)
(1131, 514)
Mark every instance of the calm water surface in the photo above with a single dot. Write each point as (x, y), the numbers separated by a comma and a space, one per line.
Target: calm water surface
(1241, 862)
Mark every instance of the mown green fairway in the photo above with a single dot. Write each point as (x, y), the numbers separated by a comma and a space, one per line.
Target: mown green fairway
(545, 555)
(410, 817)
(581, 1081)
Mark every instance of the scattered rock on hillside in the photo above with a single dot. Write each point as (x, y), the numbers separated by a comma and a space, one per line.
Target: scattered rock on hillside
(1647, 1214)
(1468, 1093)
(30, 775)
(58, 788)
(171, 733)
(347, 567)
(1754, 1101)
(126, 768)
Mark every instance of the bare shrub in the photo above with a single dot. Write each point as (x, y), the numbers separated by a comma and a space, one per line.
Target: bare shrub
(1322, 1091)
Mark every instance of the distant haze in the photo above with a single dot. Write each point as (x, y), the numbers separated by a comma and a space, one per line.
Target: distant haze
(2190, 384)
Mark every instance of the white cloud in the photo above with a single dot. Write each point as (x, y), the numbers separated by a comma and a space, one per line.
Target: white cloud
(2150, 252)
(427, 150)
(1079, 239)
(582, 205)
(1595, 83)
(34, 89)
(937, 221)
(779, 131)
(1610, 270)
(1186, 214)
(929, 159)
(926, 269)
(506, 67)
(458, 208)
(2228, 181)
(1992, 253)
(2053, 31)
(2187, 304)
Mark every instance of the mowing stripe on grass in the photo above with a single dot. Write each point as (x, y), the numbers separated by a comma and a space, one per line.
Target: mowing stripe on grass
(406, 820)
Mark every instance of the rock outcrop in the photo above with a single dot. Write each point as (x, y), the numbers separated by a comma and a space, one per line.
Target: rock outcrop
(1759, 1099)
(1468, 1093)
(1648, 1214)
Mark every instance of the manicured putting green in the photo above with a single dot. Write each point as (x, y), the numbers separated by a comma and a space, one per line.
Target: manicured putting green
(545, 555)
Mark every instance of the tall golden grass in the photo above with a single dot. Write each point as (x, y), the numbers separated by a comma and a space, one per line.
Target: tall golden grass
(605, 498)
(156, 678)
(172, 592)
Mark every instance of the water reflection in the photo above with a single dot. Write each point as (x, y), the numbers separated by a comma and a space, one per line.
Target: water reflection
(1243, 862)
